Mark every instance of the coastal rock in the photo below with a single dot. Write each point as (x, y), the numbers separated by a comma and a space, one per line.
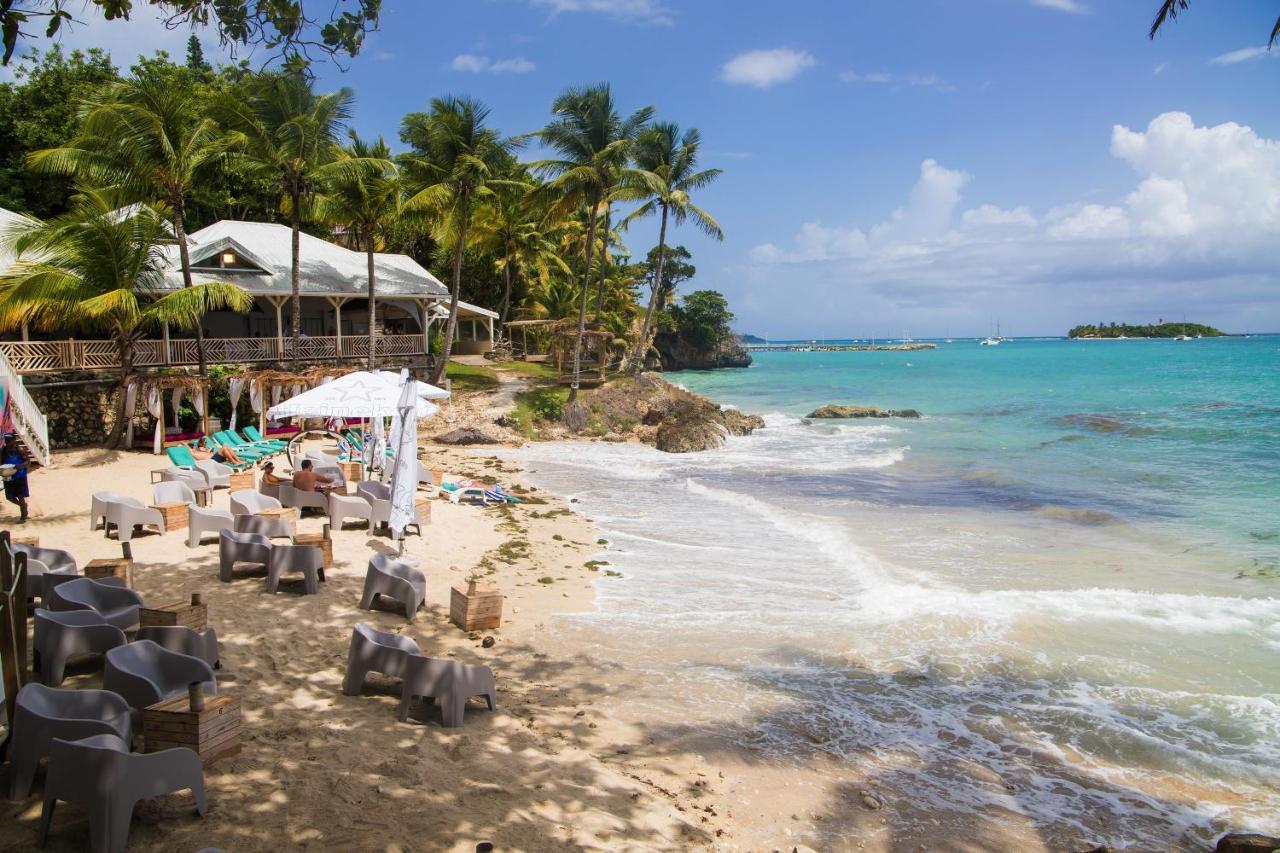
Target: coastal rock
(738, 423)
(834, 411)
(689, 434)
(464, 436)
(1247, 842)
(677, 353)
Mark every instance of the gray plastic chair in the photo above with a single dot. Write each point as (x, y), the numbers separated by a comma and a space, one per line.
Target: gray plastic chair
(145, 673)
(193, 479)
(126, 513)
(117, 605)
(450, 683)
(342, 507)
(271, 490)
(44, 713)
(289, 496)
(372, 650)
(306, 560)
(60, 636)
(249, 502)
(184, 640)
(101, 774)
(41, 562)
(98, 508)
(217, 474)
(202, 520)
(172, 492)
(272, 528)
(326, 468)
(394, 579)
(379, 497)
(236, 547)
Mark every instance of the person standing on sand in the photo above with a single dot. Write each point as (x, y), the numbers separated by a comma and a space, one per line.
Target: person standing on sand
(15, 485)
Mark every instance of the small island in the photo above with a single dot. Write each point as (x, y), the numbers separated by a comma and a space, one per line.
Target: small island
(1150, 330)
(751, 339)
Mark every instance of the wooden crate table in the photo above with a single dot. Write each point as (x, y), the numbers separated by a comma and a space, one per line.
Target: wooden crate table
(352, 472)
(422, 508)
(476, 607)
(213, 732)
(243, 480)
(176, 515)
(33, 541)
(157, 475)
(184, 613)
(287, 513)
(317, 540)
(110, 567)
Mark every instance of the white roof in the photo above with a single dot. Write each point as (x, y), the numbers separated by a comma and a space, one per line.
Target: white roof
(327, 268)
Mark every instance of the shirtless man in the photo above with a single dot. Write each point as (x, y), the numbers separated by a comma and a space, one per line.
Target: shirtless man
(307, 480)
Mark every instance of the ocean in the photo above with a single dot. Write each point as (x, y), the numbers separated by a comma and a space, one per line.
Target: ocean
(1054, 598)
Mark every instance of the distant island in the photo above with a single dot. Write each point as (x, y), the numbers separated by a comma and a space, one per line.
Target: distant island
(752, 339)
(1150, 330)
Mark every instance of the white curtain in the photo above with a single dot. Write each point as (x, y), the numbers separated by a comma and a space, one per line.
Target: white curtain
(175, 402)
(255, 397)
(198, 400)
(130, 401)
(156, 409)
(236, 387)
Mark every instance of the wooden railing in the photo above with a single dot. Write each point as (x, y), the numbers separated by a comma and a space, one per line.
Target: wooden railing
(49, 356)
(29, 422)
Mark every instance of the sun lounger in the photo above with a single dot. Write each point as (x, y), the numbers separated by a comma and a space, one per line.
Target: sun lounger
(62, 635)
(101, 774)
(180, 456)
(252, 434)
(43, 713)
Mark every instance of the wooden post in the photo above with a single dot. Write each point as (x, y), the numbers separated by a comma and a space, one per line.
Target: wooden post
(204, 392)
(165, 334)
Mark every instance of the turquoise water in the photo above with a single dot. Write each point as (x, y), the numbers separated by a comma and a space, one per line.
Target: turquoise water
(1054, 600)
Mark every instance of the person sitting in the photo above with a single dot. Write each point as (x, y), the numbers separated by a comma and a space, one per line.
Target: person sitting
(269, 475)
(305, 479)
(223, 454)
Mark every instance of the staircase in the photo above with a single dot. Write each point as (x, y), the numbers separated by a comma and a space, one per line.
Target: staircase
(29, 423)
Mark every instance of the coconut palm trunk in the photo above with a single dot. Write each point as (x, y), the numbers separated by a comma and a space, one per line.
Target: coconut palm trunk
(586, 291)
(446, 350)
(180, 231)
(604, 255)
(124, 348)
(373, 306)
(506, 295)
(642, 345)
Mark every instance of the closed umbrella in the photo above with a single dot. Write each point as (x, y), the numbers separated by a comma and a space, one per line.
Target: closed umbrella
(404, 470)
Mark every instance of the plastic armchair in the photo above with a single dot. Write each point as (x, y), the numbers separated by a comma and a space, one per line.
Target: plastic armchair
(306, 560)
(126, 513)
(249, 502)
(342, 507)
(241, 548)
(42, 562)
(101, 774)
(450, 683)
(171, 492)
(117, 605)
(193, 479)
(184, 640)
(379, 497)
(62, 635)
(44, 713)
(289, 496)
(202, 520)
(394, 579)
(326, 468)
(372, 650)
(98, 508)
(218, 475)
(144, 673)
(272, 528)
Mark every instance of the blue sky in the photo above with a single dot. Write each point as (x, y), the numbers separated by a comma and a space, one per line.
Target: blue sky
(929, 166)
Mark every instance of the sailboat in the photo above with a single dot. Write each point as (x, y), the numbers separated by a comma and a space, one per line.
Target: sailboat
(990, 341)
(1183, 336)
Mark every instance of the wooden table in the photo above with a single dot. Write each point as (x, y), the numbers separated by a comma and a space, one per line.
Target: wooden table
(243, 480)
(475, 607)
(157, 474)
(110, 567)
(212, 733)
(317, 540)
(184, 613)
(176, 515)
(285, 513)
(33, 541)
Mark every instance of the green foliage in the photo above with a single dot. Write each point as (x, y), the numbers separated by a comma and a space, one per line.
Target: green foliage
(676, 269)
(702, 318)
(469, 377)
(1149, 330)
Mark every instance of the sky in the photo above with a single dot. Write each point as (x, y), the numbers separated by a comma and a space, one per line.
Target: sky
(930, 167)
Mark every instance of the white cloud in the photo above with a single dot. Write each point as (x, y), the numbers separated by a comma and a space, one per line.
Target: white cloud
(1062, 5)
(873, 77)
(923, 81)
(631, 11)
(765, 68)
(1244, 54)
(1160, 68)
(473, 64)
(1197, 226)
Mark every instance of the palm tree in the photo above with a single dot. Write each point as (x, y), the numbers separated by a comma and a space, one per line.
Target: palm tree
(291, 134)
(95, 270)
(665, 176)
(1169, 10)
(456, 164)
(511, 228)
(146, 140)
(367, 203)
(594, 143)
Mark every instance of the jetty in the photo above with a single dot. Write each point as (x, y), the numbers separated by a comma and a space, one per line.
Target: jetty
(838, 347)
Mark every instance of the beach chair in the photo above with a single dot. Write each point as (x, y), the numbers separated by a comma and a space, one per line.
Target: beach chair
(184, 640)
(249, 502)
(202, 520)
(101, 774)
(98, 508)
(272, 528)
(172, 492)
(450, 683)
(193, 479)
(458, 493)
(235, 547)
(145, 673)
(378, 495)
(394, 579)
(289, 496)
(306, 560)
(117, 605)
(244, 451)
(43, 713)
(127, 513)
(240, 444)
(180, 456)
(252, 434)
(42, 562)
(60, 636)
(217, 473)
(375, 651)
(342, 507)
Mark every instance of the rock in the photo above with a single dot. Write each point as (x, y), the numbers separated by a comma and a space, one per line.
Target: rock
(688, 430)
(833, 411)
(739, 424)
(488, 642)
(1247, 842)
(464, 436)
(870, 802)
(676, 353)
(505, 422)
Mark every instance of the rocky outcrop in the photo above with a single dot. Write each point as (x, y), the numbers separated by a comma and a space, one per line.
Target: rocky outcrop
(1247, 842)
(464, 436)
(677, 353)
(833, 411)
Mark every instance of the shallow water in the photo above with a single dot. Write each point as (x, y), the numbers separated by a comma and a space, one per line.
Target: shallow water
(1056, 595)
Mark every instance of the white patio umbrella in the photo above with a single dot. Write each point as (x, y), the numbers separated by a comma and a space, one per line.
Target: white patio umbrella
(361, 394)
(404, 468)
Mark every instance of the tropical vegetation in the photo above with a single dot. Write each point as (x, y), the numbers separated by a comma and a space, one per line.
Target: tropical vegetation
(1148, 330)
